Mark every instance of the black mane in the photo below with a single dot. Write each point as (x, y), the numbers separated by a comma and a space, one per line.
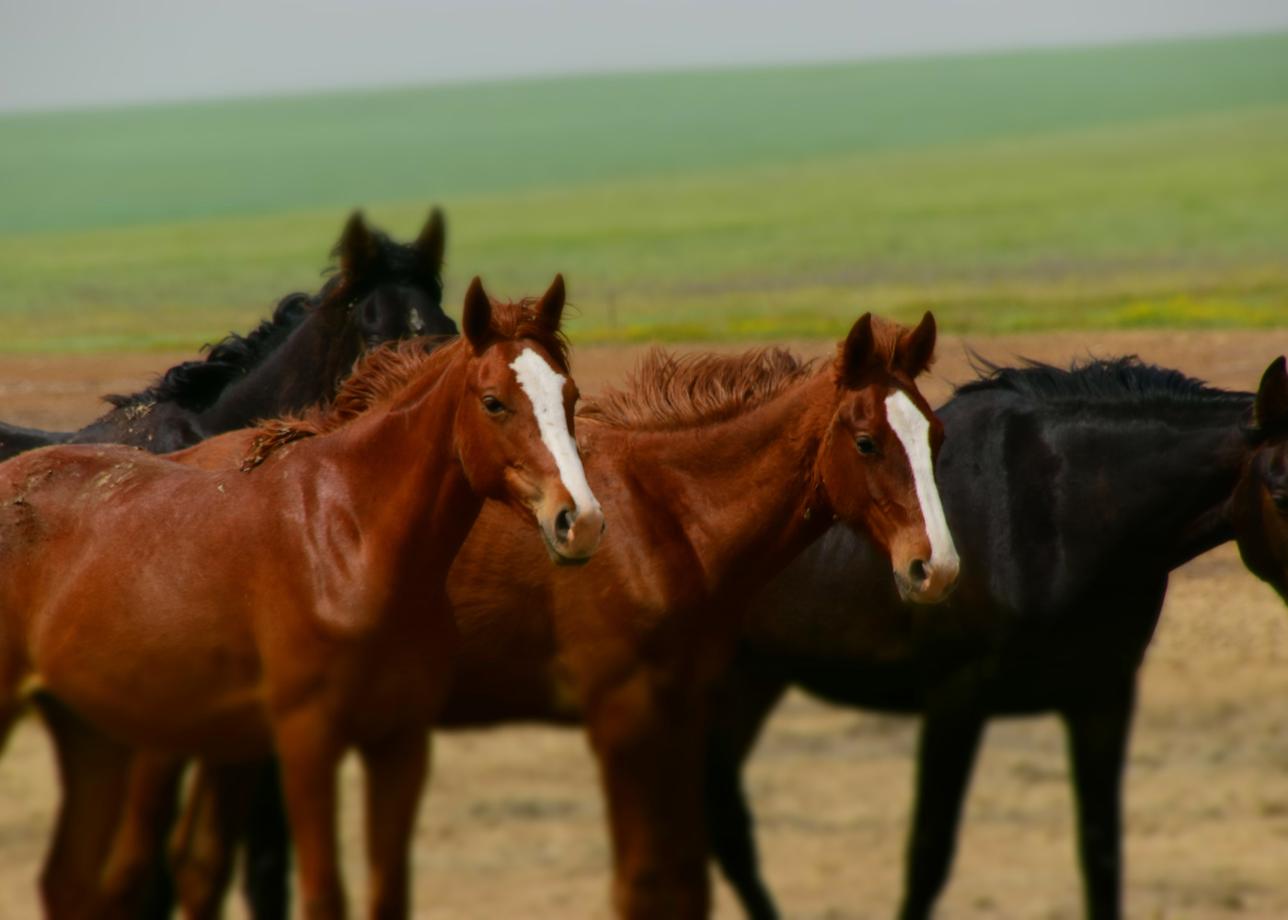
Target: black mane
(1124, 380)
(196, 384)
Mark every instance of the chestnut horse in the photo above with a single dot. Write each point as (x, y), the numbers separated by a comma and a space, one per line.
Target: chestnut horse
(298, 605)
(716, 471)
(1259, 508)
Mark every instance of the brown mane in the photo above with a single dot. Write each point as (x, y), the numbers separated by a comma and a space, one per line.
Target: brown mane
(668, 391)
(382, 373)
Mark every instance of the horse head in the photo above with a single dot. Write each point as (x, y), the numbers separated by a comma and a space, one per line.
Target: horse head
(876, 466)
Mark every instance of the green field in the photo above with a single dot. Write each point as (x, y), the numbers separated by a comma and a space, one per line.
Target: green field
(1131, 185)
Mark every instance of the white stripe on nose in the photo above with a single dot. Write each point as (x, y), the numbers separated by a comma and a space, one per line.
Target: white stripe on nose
(913, 429)
(544, 388)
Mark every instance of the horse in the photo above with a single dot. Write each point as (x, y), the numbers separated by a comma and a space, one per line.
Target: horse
(716, 471)
(1072, 495)
(382, 290)
(294, 602)
(1259, 508)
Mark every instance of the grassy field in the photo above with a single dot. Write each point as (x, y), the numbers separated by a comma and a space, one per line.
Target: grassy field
(1125, 186)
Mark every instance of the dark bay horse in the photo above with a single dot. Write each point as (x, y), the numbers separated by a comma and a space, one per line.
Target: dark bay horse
(294, 602)
(715, 472)
(1259, 509)
(382, 290)
(1072, 496)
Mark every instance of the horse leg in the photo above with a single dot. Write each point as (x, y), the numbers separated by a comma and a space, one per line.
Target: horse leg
(1098, 737)
(204, 845)
(310, 755)
(267, 863)
(93, 772)
(135, 881)
(395, 775)
(950, 736)
(650, 745)
(743, 702)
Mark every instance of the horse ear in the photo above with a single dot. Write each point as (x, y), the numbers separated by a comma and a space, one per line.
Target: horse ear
(476, 316)
(858, 351)
(550, 307)
(1270, 409)
(432, 241)
(357, 248)
(916, 349)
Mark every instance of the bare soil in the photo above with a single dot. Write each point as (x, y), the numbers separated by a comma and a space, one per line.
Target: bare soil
(514, 826)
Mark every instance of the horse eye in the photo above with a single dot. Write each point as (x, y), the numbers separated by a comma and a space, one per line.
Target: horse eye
(865, 444)
(493, 405)
(1280, 500)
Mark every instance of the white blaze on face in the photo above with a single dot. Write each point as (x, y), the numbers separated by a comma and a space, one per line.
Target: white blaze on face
(913, 430)
(544, 389)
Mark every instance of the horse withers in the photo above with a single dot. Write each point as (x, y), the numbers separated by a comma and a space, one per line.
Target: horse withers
(294, 602)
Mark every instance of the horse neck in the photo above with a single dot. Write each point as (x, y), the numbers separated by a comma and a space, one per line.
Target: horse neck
(1172, 475)
(409, 494)
(745, 491)
(302, 371)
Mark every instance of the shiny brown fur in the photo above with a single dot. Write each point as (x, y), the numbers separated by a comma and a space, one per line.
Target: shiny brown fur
(297, 608)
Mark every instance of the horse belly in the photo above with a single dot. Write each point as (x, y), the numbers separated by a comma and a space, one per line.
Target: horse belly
(168, 675)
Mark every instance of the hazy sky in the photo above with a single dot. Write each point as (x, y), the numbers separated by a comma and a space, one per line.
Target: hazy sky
(56, 53)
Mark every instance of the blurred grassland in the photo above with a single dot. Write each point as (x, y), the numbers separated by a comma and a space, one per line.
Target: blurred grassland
(1137, 185)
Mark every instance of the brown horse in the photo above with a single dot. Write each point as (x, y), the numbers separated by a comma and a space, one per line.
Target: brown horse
(1259, 508)
(297, 605)
(716, 471)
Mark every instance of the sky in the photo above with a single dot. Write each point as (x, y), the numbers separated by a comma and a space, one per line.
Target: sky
(74, 53)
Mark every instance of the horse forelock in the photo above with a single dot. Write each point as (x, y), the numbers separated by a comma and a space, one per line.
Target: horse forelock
(669, 391)
(394, 262)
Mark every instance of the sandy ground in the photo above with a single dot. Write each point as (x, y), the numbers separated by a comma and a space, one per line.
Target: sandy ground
(514, 825)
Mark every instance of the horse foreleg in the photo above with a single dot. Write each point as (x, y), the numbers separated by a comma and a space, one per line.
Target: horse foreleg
(310, 755)
(742, 704)
(650, 753)
(949, 742)
(135, 878)
(395, 775)
(1098, 737)
(93, 773)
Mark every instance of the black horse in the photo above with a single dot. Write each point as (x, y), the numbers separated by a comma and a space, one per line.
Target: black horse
(382, 290)
(1071, 495)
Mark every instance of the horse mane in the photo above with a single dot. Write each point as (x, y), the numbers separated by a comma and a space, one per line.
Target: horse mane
(1124, 380)
(382, 373)
(668, 391)
(196, 384)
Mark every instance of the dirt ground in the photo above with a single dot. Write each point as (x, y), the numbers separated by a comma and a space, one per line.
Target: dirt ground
(514, 828)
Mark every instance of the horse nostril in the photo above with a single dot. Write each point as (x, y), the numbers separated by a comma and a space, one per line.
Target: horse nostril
(918, 573)
(563, 524)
